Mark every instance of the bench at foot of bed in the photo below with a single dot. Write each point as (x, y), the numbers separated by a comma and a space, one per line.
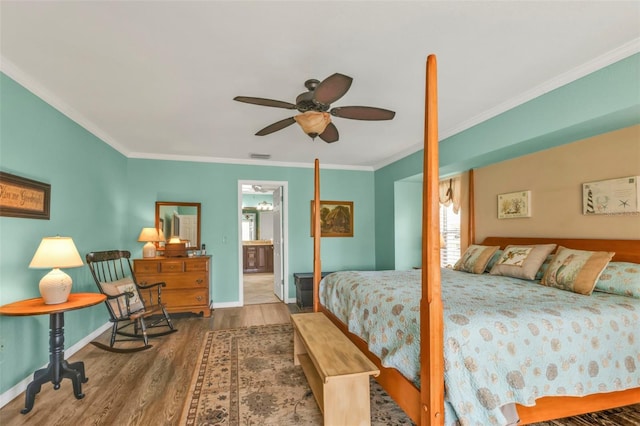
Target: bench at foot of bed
(337, 372)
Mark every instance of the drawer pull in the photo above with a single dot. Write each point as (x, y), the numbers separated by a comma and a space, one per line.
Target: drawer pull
(199, 298)
(199, 281)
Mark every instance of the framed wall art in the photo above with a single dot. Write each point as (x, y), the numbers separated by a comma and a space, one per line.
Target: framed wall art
(336, 218)
(611, 196)
(21, 197)
(514, 205)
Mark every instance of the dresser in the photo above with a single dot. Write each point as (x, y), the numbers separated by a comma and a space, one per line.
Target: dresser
(187, 281)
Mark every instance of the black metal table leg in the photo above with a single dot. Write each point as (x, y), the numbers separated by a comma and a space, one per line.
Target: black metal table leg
(58, 368)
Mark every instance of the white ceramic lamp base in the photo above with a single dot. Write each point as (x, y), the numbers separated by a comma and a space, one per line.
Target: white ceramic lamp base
(149, 250)
(55, 287)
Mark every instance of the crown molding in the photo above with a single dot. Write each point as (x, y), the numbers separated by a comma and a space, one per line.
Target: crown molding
(609, 58)
(243, 162)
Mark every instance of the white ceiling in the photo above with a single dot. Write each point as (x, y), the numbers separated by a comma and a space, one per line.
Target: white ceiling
(156, 79)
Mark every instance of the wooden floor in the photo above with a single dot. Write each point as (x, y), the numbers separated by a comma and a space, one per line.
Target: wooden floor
(143, 388)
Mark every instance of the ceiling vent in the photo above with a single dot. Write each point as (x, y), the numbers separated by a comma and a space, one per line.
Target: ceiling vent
(260, 156)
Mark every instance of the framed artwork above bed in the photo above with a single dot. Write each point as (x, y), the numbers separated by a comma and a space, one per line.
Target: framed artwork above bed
(514, 204)
(611, 196)
(336, 218)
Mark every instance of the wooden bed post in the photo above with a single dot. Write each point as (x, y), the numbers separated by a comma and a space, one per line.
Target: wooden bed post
(431, 323)
(317, 268)
(471, 235)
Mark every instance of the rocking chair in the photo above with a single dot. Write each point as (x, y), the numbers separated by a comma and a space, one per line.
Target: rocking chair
(133, 308)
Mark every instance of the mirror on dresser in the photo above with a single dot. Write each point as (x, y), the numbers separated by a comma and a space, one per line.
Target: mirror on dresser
(179, 219)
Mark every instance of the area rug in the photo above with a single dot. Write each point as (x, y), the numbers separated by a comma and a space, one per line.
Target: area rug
(246, 376)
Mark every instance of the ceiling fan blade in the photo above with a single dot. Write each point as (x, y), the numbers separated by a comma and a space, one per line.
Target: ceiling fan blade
(363, 113)
(278, 125)
(265, 102)
(330, 134)
(331, 89)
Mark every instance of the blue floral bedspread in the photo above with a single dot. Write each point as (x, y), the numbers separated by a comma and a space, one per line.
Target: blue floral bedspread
(505, 339)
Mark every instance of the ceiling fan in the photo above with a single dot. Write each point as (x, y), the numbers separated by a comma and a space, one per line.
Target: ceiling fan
(314, 106)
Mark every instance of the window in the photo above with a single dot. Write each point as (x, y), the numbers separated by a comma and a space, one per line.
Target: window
(450, 231)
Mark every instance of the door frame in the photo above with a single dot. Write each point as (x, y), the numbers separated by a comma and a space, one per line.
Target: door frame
(285, 235)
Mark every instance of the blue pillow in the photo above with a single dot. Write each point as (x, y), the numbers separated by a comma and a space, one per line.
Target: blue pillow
(621, 278)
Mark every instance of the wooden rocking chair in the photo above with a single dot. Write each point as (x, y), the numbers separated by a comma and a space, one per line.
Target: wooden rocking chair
(133, 308)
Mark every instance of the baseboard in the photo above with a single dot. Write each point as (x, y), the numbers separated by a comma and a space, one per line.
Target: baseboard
(226, 305)
(237, 304)
(19, 388)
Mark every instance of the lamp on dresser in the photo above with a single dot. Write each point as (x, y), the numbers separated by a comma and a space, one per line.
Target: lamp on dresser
(150, 236)
(56, 252)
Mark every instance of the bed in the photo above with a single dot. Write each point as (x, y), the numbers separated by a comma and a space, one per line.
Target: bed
(425, 403)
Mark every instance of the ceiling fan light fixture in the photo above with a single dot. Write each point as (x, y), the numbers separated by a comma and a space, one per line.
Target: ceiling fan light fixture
(313, 122)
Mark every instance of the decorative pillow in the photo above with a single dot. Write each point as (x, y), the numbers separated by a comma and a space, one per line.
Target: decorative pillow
(493, 260)
(522, 261)
(475, 258)
(543, 268)
(114, 288)
(576, 270)
(621, 278)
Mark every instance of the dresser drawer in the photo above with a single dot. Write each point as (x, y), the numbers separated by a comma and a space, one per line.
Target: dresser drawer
(175, 281)
(172, 266)
(196, 265)
(186, 298)
(142, 267)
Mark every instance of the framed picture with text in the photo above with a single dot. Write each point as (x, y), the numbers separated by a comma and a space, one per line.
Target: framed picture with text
(22, 197)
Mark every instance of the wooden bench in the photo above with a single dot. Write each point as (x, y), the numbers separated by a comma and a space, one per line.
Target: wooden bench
(337, 372)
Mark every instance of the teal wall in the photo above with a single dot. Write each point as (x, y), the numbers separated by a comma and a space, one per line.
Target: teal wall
(603, 101)
(408, 225)
(88, 203)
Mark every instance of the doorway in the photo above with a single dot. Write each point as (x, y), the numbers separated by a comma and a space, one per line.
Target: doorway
(263, 230)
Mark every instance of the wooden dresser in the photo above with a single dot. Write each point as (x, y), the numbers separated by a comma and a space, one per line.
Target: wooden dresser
(187, 281)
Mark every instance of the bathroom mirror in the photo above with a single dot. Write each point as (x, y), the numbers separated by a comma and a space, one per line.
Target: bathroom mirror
(181, 220)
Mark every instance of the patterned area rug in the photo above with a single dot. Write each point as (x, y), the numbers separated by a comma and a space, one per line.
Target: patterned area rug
(246, 376)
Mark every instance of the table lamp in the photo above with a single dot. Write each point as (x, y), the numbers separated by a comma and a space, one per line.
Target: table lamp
(56, 252)
(150, 236)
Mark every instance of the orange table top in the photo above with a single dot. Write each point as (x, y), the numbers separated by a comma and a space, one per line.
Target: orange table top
(36, 306)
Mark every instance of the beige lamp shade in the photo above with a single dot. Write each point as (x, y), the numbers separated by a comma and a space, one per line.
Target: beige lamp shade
(56, 252)
(313, 122)
(150, 236)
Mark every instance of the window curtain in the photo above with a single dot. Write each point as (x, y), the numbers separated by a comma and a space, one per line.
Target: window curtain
(449, 191)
